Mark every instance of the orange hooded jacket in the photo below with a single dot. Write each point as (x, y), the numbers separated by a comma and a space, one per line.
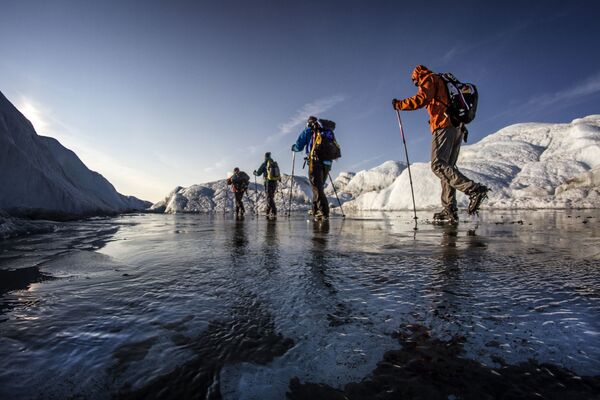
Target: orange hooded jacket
(432, 94)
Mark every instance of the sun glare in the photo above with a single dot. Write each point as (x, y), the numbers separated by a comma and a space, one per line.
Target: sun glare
(33, 114)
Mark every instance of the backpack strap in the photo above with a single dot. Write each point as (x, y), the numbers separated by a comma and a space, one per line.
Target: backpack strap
(447, 94)
(311, 155)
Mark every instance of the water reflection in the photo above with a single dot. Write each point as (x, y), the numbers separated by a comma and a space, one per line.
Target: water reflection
(240, 237)
(448, 287)
(320, 236)
(448, 243)
(319, 257)
(270, 248)
(446, 277)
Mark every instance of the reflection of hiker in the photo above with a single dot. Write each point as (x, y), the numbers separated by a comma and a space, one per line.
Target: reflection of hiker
(321, 148)
(239, 184)
(445, 145)
(270, 171)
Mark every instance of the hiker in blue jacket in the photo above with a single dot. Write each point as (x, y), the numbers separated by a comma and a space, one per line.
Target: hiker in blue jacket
(318, 170)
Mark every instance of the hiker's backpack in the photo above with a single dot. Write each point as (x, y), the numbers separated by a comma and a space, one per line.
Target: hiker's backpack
(325, 146)
(240, 181)
(273, 173)
(462, 100)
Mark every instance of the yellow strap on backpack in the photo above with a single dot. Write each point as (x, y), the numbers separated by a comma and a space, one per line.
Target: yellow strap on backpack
(269, 176)
(317, 139)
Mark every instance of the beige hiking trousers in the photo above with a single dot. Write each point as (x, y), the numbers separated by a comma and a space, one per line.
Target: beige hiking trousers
(445, 147)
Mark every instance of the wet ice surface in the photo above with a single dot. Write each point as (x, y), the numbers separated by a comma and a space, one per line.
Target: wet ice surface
(210, 306)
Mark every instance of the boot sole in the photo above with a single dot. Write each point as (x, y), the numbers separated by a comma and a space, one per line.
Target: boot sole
(475, 208)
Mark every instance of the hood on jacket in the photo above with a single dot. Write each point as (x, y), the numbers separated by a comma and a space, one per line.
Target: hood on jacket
(419, 73)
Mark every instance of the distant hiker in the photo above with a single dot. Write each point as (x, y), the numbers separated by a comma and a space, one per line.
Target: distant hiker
(270, 171)
(239, 185)
(321, 149)
(448, 132)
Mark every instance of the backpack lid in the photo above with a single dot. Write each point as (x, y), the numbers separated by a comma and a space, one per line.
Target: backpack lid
(327, 125)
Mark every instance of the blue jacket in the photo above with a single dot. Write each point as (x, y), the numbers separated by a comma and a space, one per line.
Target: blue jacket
(305, 140)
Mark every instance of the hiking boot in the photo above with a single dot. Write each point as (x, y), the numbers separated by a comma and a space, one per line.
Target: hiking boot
(446, 215)
(320, 216)
(476, 197)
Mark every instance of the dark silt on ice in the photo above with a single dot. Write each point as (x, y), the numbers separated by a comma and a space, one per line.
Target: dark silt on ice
(206, 306)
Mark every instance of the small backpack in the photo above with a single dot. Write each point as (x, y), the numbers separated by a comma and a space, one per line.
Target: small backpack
(240, 181)
(325, 146)
(462, 100)
(273, 173)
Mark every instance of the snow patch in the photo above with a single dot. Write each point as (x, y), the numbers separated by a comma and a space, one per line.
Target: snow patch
(217, 197)
(527, 166)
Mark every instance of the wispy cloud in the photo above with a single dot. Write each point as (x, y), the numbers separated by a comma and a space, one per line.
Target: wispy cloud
(455, 51)
(219, 165)
(565, 97)
(354, 167)
(462, 49)
(292, 125)
(315, 108)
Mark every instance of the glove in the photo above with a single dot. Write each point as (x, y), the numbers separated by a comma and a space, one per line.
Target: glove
(465, 134)
(254, 173)
(295, 148)
(395, 104)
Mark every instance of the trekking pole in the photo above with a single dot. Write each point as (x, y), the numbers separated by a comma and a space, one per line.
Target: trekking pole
(336, 195)
(266, 187)
(292, 182)
(408, 166)
(255, 196)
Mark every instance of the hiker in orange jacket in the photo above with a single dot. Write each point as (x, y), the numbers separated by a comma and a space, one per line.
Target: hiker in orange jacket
(445, 144)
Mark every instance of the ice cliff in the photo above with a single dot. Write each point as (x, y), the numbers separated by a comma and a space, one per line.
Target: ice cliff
(217, 197)
(41, 178)
(527, 166)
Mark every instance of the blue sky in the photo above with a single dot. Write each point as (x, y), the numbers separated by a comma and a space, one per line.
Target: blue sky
(157, 94)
